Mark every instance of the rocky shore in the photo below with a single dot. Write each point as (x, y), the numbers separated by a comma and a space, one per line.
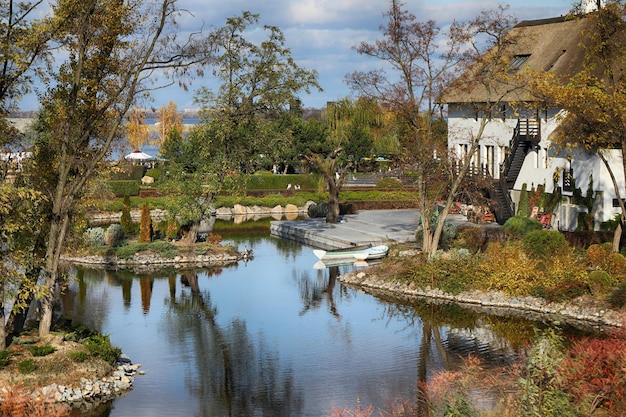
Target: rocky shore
(238, 213)
(580, 312)
(150, 260)
(91, 392)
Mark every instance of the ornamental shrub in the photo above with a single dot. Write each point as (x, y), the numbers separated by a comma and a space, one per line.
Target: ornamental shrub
(26, 366)
(4, 358)
(519, 226)
(599, 281)
(113, 235)
(41, 350)
(145, 227)
(78, 356)
(94, 236)
(100, 346)
(126, 221)
(543, 244)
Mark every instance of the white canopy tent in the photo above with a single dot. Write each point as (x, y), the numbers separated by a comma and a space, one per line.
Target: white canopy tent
(139, 156)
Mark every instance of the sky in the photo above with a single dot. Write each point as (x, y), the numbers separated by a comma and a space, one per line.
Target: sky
(322, 33)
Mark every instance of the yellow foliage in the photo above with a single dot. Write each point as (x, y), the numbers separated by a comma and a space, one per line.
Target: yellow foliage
(509, 270)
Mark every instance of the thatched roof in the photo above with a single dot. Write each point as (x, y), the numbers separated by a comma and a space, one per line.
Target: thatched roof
(539, 45)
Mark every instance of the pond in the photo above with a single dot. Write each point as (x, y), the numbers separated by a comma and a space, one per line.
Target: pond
(275, 336)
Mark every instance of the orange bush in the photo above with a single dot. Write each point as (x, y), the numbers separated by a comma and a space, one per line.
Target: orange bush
(18, 402)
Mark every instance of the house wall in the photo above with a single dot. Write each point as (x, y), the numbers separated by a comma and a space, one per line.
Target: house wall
(540, 164)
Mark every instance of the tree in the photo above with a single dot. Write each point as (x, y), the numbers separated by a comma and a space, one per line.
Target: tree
(424, 59)
(136, 128)
(20, 225)
(113, 48)
(348, 139)
(258, 84)
(595, 98)
(169, 122)
(24, 44)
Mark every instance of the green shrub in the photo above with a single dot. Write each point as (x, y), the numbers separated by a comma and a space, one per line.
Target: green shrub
(113, 235)
(155, 173)
(4, 358)
(78, 356)
(126, 220)
(542, 244)
(100, 346)
(26, 366)
(41, 350)
(519, 226)
(600, 282)
(124, 187)
(94, 236)
(165, 249)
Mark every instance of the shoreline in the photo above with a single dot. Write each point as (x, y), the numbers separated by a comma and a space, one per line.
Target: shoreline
(575, 312)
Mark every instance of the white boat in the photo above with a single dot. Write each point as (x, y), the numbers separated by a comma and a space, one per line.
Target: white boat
(340, 262)
(360, 254)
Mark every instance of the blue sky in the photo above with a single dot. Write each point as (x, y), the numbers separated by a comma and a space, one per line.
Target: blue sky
(321, 33)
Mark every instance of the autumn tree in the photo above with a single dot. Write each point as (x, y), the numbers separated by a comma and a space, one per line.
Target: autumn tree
(112, 49)
(258, 82)
(594, 99)
(136, 128)
(169, 123)
(421, 60)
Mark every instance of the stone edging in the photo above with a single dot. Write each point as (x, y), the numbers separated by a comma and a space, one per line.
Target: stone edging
(492, 302)
(154, 260)
(92, 392)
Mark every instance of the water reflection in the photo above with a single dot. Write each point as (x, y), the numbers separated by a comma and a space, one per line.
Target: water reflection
(276, 337)
(234, 373)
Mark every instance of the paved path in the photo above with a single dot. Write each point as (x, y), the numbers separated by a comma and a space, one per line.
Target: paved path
(366, 227)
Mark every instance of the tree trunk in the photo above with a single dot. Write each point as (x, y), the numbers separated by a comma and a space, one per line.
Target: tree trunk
(617, 236)
(56, 238)
(192, 235)
(333, 200)
(3, 337)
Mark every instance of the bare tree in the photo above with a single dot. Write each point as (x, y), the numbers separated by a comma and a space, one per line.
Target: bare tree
(423, 60)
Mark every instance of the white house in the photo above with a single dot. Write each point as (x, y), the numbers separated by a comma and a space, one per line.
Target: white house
(521, 126)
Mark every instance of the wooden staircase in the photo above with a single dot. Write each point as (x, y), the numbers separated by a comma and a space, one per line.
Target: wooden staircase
(526, 135)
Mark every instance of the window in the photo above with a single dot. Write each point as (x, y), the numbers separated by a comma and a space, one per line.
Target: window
(517, 62)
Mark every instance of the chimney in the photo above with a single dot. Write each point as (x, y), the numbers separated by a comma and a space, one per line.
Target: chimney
(589, 6)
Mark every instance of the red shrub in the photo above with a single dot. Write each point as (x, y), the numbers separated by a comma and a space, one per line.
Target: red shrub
(595, 372)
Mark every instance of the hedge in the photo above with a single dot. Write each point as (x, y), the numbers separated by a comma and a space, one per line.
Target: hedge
(124, 187)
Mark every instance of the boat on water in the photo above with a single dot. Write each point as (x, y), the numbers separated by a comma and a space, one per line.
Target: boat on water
(359, 254)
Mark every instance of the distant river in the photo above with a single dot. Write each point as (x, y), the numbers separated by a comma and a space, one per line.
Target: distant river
(275, 337)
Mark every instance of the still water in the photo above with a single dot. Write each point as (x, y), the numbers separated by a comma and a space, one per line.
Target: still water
(275, 337)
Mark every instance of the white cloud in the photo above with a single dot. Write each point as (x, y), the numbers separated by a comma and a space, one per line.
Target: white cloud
(322, 33)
